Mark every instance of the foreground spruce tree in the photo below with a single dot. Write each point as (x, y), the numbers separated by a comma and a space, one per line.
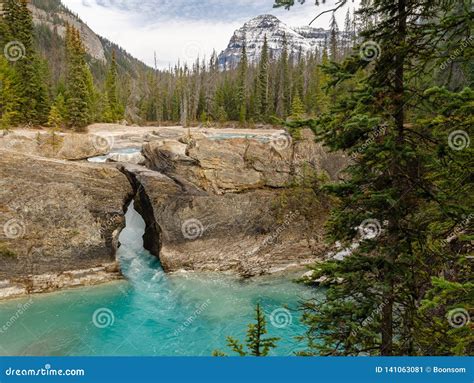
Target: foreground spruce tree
(256, 344)
(408, 189)
(444, 323)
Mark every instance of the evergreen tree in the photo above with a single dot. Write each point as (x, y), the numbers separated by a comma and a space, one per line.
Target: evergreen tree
(262, 83)
(184, 110)
(256, 344)
(31, 71)
(321, 97)
(95, 100)
(284, 87)
(57, 112)
(242, 84)
(78, 87)
(348, 34)
(55, 119)
(405, 188)
(9, 99)
(297, 108)
(442, 325)
(334, 39)
(111, 84)
(299, 75)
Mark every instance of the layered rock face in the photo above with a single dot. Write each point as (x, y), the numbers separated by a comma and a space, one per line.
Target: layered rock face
(58, 216)
(222, 204)
(239, 164)
(51, 19)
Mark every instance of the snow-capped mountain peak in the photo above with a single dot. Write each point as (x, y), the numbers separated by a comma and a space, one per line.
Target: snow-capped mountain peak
(253, 32)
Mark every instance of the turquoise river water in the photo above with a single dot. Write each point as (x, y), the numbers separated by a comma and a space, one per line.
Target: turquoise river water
(181, 314)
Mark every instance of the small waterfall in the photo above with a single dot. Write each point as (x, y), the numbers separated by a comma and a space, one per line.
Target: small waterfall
(141, 268)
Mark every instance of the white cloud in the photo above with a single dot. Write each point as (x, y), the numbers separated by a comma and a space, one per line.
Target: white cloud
(182, 29)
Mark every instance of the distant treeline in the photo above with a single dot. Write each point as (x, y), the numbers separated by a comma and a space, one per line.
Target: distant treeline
(48, 79)
(289, 85)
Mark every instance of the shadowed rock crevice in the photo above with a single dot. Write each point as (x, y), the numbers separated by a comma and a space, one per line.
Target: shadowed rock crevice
(143, 205)
(231, 204)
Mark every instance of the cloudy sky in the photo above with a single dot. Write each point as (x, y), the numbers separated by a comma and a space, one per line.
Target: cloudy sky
(183, 29)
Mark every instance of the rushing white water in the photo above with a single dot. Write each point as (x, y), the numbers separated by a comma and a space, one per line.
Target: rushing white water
(124, 152)
(141, 268)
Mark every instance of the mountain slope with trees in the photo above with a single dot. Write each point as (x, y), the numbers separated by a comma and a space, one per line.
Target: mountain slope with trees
(73, 99)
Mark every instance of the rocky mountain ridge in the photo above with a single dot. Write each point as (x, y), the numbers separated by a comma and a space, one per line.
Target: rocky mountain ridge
(56, 20)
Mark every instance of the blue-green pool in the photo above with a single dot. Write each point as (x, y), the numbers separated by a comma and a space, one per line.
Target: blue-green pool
(183, 314)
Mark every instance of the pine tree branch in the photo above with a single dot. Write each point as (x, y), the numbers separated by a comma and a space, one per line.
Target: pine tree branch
(334, 10)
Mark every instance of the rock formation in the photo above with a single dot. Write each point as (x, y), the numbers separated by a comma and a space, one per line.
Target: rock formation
(212, 201)
(222, 205)
(61, 146)
(58, 217)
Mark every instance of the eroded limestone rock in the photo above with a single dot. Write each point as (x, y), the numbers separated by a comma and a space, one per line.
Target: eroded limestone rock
(224, 205)
(58, 216)
(240, 164)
